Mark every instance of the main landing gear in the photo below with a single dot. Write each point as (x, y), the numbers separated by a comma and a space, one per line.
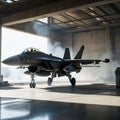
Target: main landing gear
(50, 80)
(72, 80)
(32, 84)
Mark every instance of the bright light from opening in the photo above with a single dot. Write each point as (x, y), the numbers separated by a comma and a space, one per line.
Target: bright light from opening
(14, 42)
(10, 1)
(44, 20)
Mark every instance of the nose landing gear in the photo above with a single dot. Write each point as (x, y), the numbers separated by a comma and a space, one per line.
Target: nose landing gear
(32, 84)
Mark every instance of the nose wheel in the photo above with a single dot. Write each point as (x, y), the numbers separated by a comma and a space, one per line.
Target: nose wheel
(32, 84)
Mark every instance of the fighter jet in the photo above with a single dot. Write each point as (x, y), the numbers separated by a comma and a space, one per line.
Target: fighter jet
(42, 64)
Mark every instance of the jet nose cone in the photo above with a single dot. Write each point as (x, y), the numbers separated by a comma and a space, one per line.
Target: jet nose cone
(15, 60)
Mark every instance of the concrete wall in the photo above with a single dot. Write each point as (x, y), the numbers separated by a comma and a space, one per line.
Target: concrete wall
(56, 44)
(35, 28)
(115, 44)
(99, 44)
(96, 47)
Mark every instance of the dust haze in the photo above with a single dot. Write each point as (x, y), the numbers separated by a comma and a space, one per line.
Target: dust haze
(103, 74)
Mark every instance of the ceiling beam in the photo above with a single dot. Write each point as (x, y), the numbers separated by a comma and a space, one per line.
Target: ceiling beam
(91, 28)
(49, 9)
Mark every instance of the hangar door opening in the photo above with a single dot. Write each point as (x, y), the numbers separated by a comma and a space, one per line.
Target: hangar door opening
(14, 42)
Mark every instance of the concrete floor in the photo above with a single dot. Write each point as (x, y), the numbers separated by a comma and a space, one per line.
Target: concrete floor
(84, 102)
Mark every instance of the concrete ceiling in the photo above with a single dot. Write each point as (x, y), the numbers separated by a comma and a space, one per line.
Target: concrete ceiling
(64, 15)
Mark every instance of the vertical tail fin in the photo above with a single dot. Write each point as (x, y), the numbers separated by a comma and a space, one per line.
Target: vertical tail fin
(67, 54)
(80, 52)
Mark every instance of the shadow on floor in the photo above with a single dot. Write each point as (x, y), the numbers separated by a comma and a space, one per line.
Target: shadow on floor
(100, 89)
(10, 87)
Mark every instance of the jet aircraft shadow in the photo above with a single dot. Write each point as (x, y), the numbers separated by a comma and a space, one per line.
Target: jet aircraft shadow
(99, 89)
(9, 87)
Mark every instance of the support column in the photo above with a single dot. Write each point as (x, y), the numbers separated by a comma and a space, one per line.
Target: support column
(2, 83)
(1, 76)
(110, 52)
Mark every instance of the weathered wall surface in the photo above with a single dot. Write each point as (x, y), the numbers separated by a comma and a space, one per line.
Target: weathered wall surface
(99, 44)
(115, 44)
(55, 45)
(34, 28)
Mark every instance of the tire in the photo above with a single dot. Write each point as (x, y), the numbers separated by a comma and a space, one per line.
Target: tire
(49, 82)
(30, 85)
(33, 85)
(73, 82)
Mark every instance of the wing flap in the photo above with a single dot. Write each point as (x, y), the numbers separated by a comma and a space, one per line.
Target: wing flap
(87, 61)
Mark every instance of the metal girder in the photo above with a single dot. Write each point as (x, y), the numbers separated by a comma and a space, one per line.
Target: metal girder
(49, 9)
(91, 28)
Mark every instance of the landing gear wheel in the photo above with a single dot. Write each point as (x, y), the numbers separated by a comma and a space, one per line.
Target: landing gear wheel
(32, 85)
(49, 82)
(73, 82)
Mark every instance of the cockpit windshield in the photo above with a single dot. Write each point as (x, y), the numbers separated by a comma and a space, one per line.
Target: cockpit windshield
(30, 50)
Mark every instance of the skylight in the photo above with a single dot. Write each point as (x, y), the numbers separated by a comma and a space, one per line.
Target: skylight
(10, 1)
(99, 19)
(91, 8)
(44, 20)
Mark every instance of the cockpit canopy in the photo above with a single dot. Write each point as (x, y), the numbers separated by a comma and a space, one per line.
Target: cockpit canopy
(30, 50)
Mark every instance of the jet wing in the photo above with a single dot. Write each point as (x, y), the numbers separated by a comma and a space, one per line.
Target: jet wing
(87, 61)
(46, 59)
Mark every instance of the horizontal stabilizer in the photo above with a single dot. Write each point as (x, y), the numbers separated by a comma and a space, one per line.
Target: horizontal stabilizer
(67, 54)
(79, 54)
